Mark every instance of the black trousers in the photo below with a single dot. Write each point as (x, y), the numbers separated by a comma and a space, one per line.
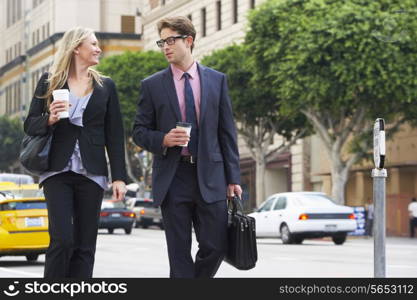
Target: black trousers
(184, 207)
(73, 203)
(413, 225)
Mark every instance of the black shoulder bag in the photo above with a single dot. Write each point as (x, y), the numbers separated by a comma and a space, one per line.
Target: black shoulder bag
(242, 251)
(34, 153)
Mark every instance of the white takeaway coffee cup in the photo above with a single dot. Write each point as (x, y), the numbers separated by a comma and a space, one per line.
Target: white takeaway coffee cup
(62, 95)
(187, 127)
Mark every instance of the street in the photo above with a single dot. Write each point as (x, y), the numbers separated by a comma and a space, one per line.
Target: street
(143, 254)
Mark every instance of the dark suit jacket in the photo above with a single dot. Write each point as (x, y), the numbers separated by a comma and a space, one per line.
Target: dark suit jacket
(103, 129)
(218, 155)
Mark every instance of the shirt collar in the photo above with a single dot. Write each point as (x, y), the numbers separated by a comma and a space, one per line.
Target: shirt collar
(178, 73)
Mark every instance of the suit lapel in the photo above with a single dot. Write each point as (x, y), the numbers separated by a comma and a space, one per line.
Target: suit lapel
(169, 87)
(94, 101)
(204, 91)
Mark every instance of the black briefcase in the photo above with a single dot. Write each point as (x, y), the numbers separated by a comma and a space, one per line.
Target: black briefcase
(242, 252)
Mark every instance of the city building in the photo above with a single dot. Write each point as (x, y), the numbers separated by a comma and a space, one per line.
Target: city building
(31, 31)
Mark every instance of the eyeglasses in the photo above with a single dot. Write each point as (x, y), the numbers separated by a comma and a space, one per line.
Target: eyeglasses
(170, 40)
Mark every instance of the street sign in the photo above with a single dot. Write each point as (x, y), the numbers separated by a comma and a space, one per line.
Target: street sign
(379, 143)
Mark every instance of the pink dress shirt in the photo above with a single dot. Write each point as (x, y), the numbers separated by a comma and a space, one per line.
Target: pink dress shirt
(179, 88)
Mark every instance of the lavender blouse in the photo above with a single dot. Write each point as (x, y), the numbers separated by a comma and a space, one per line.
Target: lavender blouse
(75, 164)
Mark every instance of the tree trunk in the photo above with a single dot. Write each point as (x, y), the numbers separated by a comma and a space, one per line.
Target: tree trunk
(260, 177)
(339, 174)
(129, 165)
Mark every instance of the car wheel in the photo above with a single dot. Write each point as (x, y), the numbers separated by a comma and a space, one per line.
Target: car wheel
(128, 230)
(137, 224)
(339, 239)
(110, 230)
(286, 235)
(298, 240)
(32, 257)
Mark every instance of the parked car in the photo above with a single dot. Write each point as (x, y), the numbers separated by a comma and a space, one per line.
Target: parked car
(16, 178)
(115, 215)
(23, 221)
(300, 215)
(146, 213)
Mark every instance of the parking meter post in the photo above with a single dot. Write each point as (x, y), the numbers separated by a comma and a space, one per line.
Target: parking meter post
(379, 178)
(379, 175)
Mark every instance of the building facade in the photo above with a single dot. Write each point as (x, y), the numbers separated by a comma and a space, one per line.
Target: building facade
(32, 30)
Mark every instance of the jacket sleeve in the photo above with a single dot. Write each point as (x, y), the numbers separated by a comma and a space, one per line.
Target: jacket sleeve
(114, 134)
(144, 133)
(228, 137)
(36, 122)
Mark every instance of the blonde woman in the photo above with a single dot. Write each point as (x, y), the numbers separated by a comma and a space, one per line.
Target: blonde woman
(77, 175)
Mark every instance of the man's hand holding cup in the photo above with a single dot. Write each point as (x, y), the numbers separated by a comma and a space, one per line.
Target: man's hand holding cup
(179, 136)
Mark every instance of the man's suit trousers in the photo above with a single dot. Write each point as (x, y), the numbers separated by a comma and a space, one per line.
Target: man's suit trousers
(184, 207)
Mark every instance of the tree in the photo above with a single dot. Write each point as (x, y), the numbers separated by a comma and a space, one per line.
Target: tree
(255, 109)
(128, 70)
(11, 135)
(342, 63)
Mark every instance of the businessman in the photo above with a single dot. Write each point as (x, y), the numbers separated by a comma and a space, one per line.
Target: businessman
(191, 183)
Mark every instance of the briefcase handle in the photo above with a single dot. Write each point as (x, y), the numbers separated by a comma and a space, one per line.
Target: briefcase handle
(236, 204)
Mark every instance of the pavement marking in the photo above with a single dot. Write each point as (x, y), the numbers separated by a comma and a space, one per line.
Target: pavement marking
(21, 272)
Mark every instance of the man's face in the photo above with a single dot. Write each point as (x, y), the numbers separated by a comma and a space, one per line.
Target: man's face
(180, 50)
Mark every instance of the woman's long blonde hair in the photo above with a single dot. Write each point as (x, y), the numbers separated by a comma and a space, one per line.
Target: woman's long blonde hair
(64, 58)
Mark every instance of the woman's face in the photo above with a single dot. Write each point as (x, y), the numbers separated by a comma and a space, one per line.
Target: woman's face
(89, 51)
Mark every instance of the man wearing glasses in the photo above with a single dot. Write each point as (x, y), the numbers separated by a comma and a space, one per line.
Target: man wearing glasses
(190, 182)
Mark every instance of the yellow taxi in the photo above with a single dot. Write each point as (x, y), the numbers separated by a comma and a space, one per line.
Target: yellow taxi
(23, 220)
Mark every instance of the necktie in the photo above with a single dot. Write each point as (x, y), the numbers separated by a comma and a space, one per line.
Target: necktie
(190, 115)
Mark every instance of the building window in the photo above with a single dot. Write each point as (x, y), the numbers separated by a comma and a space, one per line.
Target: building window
(8, 13)
(251, 4)
(153, 3)
(20, 48)
(47, 30)
(190, 17)
(163, 2)
(14, 11)
(128, 24)
(19, 9)
(219, 14)
(203, 22)
(43, 32)
(234, 11)
(35, 3)
(33, 38)
(37, 36)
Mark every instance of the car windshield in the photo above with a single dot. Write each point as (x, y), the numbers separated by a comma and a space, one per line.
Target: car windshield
(313, 200)
(108, 204)
(142, 203)
(20, 194)
(23, 205)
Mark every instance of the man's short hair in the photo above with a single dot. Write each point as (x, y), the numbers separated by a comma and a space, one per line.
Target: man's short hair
(182, 25)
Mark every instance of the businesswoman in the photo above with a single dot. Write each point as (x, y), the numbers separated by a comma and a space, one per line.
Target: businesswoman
(77, 175)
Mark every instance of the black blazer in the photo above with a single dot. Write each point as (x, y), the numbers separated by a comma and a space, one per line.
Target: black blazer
(103, 129)
(218, 155)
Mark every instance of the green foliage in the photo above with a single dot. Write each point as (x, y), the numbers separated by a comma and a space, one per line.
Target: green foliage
(128, 70)
(335, 55)
(251, 100)
(11, 135)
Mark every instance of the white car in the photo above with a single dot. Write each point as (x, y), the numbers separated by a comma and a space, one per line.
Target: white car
(299, 215)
